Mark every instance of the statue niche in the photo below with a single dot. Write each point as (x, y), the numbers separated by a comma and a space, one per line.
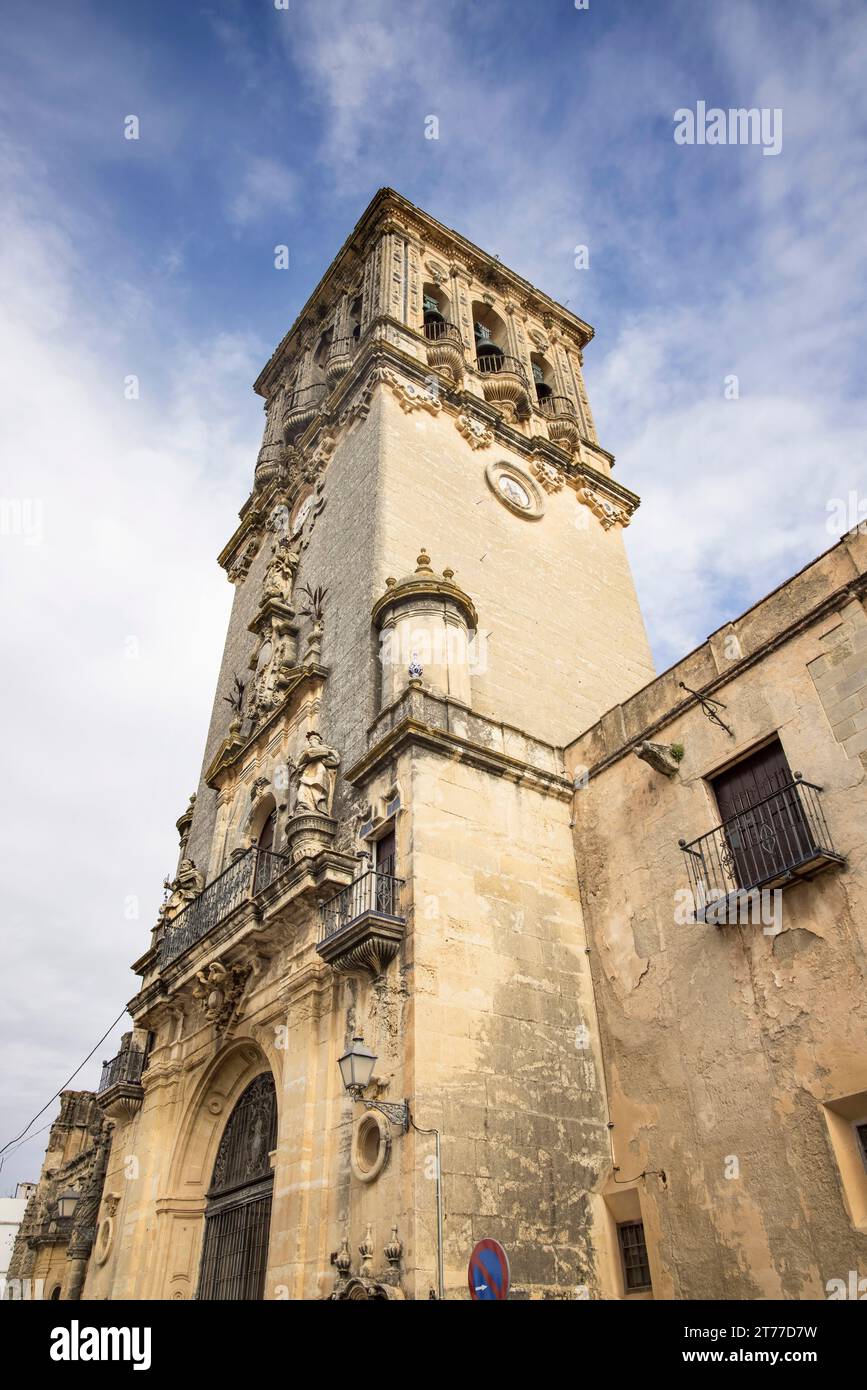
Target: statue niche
(273, 659)
(311, 827)
(316, 771)
(280, 573)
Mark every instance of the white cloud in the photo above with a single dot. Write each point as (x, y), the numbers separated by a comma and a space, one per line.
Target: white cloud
(113, 627)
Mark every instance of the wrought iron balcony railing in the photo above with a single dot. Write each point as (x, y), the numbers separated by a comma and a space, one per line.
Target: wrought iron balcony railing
(371, 893)
(124, 1069)
(340, 358)
(556, 405)
(779, 839)
(305, 396)
(301, 407)
(342, 347)
(244, 879)
(490, 363)
(439, 330)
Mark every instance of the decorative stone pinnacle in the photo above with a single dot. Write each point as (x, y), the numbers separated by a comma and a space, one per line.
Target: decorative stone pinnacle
(422, 561)
(365, 1250)
(448, 574)
(344, 1259)
(393, 1250)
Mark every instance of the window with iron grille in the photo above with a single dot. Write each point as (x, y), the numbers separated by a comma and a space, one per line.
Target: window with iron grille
(861, 1136)
(633, 1254)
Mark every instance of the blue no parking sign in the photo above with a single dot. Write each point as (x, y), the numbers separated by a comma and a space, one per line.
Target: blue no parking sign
(488, 1272)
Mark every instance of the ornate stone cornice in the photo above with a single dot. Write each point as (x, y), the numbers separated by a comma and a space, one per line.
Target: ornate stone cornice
(423, 717)
(381, 359)
(409, 732)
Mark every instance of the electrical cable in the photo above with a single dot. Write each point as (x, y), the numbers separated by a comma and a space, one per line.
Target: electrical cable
(9, 1142)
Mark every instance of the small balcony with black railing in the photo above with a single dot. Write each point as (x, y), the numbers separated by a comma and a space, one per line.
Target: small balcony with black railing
(504, 378)
(776, 841)
(445, 347)
(242, 883)
(302, 405)
(560, 415)
(120, 1091)
(340, 355)
(361, 928)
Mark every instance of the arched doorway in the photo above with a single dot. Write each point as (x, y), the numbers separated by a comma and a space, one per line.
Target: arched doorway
(238, 1211)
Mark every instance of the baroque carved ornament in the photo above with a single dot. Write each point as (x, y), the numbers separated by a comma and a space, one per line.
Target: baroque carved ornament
(550, 477)
(478, 436)
(411, 397)
(218, 990)
(607, 512)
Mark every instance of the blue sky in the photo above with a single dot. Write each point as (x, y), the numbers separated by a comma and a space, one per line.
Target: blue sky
(155, 257)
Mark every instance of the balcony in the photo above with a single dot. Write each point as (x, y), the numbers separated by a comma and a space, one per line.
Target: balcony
(339, 359)
(302, 406)
(120, 1090)
(445, 348)
(562, 418)
(361, 928)
(775, 842)
(504, 382)
(242, 882)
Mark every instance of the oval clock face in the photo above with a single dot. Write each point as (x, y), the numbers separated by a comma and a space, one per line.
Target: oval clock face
(511, 488)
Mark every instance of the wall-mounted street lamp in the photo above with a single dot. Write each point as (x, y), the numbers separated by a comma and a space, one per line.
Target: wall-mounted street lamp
(356, 1068)
(67, 1202)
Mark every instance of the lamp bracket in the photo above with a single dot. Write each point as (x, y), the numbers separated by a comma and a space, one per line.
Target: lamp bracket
(397, 1112)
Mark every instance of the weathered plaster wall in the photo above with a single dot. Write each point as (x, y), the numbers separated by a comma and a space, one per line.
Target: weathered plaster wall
(727, 1042)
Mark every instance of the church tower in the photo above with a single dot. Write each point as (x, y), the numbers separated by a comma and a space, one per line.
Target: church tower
(432, 598)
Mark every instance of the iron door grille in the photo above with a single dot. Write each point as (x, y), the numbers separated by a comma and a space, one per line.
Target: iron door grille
(238, 1211)
(235, 1255)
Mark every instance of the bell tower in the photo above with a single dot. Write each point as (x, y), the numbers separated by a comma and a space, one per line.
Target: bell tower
(431, 598)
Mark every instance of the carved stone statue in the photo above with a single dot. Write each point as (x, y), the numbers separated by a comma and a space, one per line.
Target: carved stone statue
(280, 574)
(186, 885)
(317, 774)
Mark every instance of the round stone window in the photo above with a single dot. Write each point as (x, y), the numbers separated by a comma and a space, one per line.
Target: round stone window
(371, 1145)
(104, 1239)
(515, 489)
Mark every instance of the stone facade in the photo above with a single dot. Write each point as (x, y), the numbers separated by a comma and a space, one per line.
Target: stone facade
(432, 597)
(51, 1250)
